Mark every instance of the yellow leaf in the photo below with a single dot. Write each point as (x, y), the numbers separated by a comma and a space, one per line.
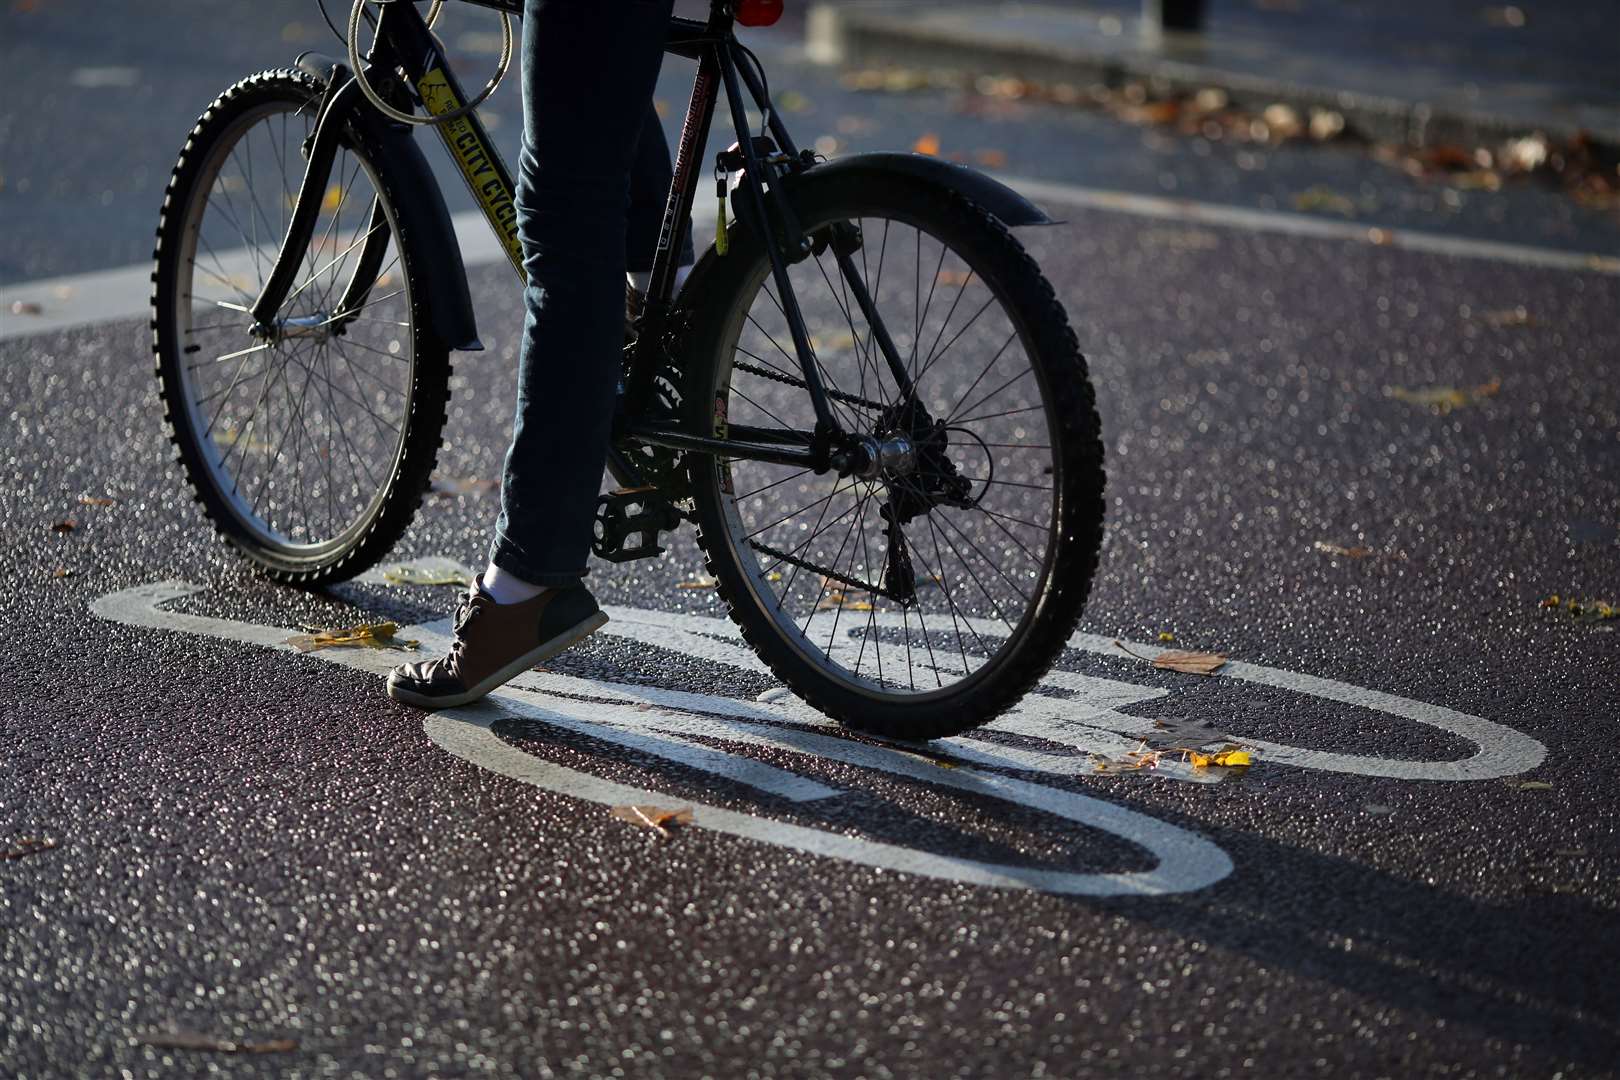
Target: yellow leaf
(1324, 199)
(418, 575)
(333, 198)
(96, 500)
(366, 635)
(1166, 636)
(1443, 399)
(698, 583)
(1529, 785)
(928, 144)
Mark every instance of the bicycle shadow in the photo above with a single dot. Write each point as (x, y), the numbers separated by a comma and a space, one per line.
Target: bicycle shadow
(1538, 971)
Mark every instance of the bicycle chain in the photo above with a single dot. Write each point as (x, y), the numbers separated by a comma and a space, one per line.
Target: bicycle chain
(836, 395)
(830, 575)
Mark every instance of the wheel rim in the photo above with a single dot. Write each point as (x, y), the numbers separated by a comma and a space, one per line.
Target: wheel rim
(979, 571)
(299, 432)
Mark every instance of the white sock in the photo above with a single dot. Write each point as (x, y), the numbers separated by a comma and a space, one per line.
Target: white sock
(508, 588)
(642, 279)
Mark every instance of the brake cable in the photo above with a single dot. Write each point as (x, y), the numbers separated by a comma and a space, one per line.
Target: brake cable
(505, 62)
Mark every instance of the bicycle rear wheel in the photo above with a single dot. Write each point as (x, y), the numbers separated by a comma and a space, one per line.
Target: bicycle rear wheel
(308, 443)
(926, 599)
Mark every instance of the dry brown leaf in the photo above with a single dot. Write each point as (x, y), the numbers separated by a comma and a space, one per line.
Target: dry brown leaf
(927, 144)
(66, 525)
(654, 817)
(96, 500)
(953, 277)
(61, 572)
(991, 159)
(366, 635)
(1192, 663)
(27, 845)
(1357, 552)
(191, 1040)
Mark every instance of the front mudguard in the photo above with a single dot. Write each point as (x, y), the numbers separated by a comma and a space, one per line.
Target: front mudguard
(423, 218)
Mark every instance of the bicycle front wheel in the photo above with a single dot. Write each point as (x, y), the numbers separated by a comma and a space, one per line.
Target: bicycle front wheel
(310, 441)
(928, 597)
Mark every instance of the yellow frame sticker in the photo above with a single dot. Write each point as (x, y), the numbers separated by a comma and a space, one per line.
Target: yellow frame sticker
(476, 158)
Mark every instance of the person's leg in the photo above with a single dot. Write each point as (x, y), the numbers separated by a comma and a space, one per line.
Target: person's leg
(589, 68)
(649, 192)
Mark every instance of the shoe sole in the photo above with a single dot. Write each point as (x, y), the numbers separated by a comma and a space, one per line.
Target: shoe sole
(561, 643)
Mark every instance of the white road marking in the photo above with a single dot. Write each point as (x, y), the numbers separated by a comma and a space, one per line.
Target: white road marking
(1275, 221)
(679, 726)
(124, 292)
(1185, 861)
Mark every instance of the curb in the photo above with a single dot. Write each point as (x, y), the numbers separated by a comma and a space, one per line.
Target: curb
(876, 34)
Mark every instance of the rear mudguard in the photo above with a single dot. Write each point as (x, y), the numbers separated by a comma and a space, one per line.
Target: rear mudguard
(424, 219)
(990, 194)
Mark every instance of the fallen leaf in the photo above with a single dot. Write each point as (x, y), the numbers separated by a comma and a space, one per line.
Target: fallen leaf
(189, 1040)
(928, 144)
(96, 500)
(953, 277)
(26, 307)
(1445, 398)
(1166, 636)
(445, 487)
(1193, 663)
(1348, 552)
(1514, 316)
(66, 525)
(420, 575)
(697, 583)
(1529, 785)
(1323, 199)
(366, 635)
(654, 817)
(1228, 758)
(27, 845)
(1590, 610)
(991, 159)
(61, 572)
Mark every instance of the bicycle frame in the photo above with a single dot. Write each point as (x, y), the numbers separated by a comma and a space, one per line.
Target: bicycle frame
(404, 43)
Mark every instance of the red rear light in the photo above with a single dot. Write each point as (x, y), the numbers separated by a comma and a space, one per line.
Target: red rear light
(758, 12)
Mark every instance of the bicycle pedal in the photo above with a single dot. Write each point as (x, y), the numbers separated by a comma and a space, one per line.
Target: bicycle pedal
(628, 522)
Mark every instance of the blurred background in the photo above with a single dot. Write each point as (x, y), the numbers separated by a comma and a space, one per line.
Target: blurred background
(1480, 119)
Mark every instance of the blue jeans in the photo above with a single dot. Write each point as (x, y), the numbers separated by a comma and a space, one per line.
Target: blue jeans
(593, 177)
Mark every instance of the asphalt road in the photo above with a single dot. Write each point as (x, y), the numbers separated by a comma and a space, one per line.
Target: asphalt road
(1416, 878)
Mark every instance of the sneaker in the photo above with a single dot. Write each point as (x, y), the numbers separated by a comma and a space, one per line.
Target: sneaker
(495, 642)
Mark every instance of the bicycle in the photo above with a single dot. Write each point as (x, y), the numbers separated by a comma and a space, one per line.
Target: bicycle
(854, 467)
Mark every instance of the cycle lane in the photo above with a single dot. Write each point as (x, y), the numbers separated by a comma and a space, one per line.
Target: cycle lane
(1320, 866)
